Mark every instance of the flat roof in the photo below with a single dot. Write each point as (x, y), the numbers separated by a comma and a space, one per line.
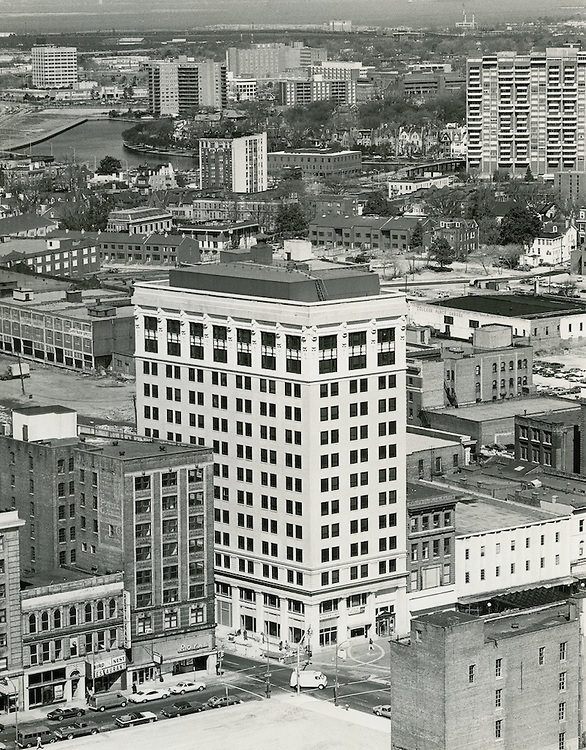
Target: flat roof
(56, 302)
(131, 449)
(514, 305)
(476, 515)
(506, 408)
(416, 443)
(39, 410)
(569, 417)
(446, 618)
(278, 282)
(512, 624)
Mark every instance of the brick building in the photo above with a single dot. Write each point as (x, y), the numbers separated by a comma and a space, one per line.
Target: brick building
(153, 248)
(461, 235)
(142, 220)
(74, 636)
(137, 506)
(431, 536)
(315, 163)
(392, 235)
(450, 372)
(553, 439)
(432, 453)
(11, 664)
(508, 681)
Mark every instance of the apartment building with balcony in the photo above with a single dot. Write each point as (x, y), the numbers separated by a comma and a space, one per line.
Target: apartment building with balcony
(527, 111)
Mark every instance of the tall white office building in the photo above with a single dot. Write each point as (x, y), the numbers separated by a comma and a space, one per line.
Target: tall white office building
(180, 86)
(527, 111)
(297, 380)
(54, 67)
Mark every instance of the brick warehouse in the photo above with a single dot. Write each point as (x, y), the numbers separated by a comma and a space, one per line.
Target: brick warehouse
(506, 681)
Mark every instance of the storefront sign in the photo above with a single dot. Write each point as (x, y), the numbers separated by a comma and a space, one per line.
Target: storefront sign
(126, 620)
(192, 647)
(108, 665)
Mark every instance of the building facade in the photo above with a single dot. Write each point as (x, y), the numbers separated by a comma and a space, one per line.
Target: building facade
(68, 329)
(518, 675)
(269, 60)
(315, 163)
(238, 165)
(180, 86)
(310, 522)
(295, 92)
(144, 508)
(54, 67)
(527, 111)
(57, 256)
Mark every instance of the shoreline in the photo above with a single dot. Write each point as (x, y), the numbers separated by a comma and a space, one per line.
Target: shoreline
(158, 152)
(48, 134)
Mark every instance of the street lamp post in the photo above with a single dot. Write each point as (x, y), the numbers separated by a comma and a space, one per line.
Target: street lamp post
(268, 675)
(5, 681)
(336, 684)
(307, 634)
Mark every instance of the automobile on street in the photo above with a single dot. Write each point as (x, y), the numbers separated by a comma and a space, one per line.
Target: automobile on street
(77, 729)
(382, 710)
(135, 718)
(65, 713)
(187, 686)
(219, 701)
(145, 696)
(183, 708)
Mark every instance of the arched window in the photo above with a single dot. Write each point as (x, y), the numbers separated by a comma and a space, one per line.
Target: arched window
(100, 611)
(112, 608)
(45, 621)
(72, 616)
(88, 612)
(32, 623)
(57, 618)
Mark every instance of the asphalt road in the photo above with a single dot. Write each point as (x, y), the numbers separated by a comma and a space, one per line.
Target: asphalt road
(247, 680)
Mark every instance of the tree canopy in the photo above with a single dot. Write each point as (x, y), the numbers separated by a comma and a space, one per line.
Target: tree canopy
(520, 225)
(291, 220)
(109, 165)
(442, 252)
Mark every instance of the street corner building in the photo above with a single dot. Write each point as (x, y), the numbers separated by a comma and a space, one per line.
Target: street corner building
(295, 377)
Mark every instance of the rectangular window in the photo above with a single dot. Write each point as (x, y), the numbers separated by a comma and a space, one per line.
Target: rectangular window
(471, 673)
(498, 729)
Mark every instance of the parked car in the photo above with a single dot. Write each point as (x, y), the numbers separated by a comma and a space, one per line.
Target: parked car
(182, 708)
(77, 729)
(222, 700)
(65, 713)
(145, 696)
(135, 718)
(102, 701)
(383, 710)
(187, 686)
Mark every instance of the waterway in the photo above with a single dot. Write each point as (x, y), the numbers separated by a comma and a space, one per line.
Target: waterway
(89, 142)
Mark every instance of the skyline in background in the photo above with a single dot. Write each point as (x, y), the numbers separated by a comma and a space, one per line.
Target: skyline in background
(28, 16)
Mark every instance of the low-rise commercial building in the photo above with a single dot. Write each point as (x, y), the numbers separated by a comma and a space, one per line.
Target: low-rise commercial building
(80, 330)
(432, 453)
(552, 439)
(315, 163)
(56, 255)
(139, 221)
(153, 248)
(431, 547)
(492, 422)
(546, 321)
(389, 234)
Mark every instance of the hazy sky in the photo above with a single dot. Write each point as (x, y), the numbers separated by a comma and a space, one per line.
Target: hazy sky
(53, 15)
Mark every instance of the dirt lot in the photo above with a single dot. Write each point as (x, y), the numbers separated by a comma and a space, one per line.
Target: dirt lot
(99, 398)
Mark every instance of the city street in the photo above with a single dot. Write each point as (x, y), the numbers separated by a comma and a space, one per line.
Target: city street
(362, 684)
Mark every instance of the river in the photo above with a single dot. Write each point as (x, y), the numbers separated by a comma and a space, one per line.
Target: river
(88, 143)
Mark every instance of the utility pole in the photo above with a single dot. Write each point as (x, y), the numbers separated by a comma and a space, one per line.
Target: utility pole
(268, 675)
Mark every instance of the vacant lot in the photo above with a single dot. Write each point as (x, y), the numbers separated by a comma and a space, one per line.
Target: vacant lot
(98, 398)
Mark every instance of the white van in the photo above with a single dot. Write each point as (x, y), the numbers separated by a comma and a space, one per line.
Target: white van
(308, 678)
